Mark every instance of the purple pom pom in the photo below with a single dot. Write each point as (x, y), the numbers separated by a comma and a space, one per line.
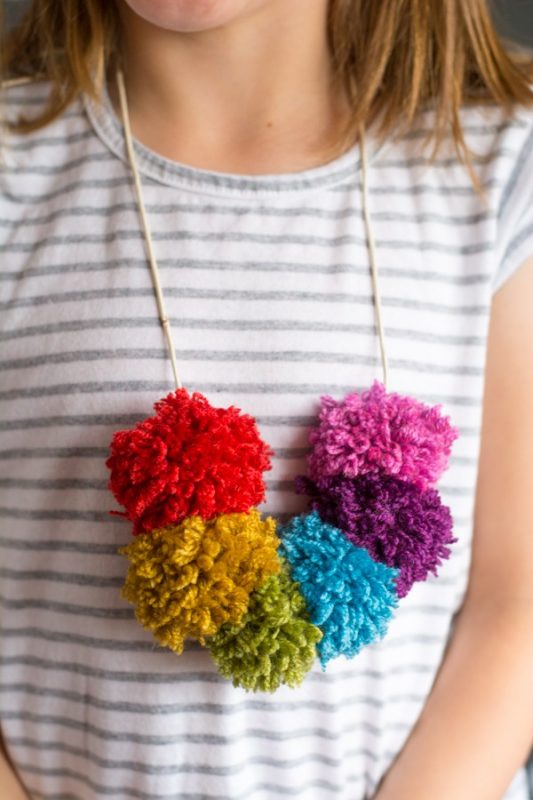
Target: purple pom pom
(398, 523)
(377, 431)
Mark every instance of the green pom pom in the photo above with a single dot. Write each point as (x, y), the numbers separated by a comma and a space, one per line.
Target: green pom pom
(275, 643)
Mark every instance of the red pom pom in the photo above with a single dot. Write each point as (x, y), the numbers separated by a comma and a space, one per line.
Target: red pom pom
(190, 459)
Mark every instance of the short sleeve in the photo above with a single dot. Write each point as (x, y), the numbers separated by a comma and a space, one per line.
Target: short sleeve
(514, 244)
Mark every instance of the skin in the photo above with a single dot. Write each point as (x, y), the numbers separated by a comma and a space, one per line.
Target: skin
(244, 86)
(241, 86)
(10, 786)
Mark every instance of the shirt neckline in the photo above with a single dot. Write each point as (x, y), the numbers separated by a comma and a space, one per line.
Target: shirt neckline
(108, 127)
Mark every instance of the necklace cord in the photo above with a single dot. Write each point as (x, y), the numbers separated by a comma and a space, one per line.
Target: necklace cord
(373, 260)
(163, 318)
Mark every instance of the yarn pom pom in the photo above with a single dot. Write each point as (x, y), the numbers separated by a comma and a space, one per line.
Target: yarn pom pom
(399, 524)
(276, 643)
(188, 580)
(378, 431)
(190, 459)
(350, 597)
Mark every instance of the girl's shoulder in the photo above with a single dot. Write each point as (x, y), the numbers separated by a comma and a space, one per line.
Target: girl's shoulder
(505, 166)
(494, 135)
(501, 150)
(25, 100)
(37, 162)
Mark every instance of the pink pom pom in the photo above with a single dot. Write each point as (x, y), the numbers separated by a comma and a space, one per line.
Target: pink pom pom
(377, 431)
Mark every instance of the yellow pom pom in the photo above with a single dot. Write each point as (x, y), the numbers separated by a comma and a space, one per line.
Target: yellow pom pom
(188, 580)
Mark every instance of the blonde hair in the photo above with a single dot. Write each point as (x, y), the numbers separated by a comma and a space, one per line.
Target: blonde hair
(393, 58)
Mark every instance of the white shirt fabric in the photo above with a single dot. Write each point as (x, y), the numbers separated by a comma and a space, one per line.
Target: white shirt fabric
(268, 289)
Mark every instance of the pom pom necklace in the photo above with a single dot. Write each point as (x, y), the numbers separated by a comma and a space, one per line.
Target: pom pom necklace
(268, 600)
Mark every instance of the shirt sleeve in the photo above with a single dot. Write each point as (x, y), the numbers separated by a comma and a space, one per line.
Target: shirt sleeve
(515, 215)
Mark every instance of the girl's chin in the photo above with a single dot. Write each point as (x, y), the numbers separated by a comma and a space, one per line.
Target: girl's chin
(191, 15)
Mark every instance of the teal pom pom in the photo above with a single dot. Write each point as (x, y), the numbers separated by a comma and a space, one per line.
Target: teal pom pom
(350, 597)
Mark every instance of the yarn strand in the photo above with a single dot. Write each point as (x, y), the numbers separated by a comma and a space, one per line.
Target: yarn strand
(163, 318)
(373, 261)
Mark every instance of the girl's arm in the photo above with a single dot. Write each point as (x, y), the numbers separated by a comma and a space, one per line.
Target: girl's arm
(10, 787)
(476, 728)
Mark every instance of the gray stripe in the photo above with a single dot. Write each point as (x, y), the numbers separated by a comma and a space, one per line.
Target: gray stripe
(239, 295)
(94, 548)
(52, 483)
(174, 678)
(518, 239)
(457, 400)
(243, 236)
(102, 485)
(296, 212)
(95, 452)
(51, 141)
(278, 789)
(234, 356)
(106, 323)
(204, 739)
(227, 709)
(125, 181)
(188, 738)
(205, 769)
(467, 430)
(290, 453)
(428, 188)
(57, 514)
(129, 421)
(75, 186)
(463, 460)
(59, 545)
(93, 387)
(446, 163)
(435, 369)
(90, 547)
(476, 130)
(421, 217)
(160, 354)
(284, 267)
(60, 169)
(118, 644)
(85, 483)
(43, 604)
(119, 422)
(281, 485)
(9, 99)
(99, 643)
(54, 452)
(516, 174)
(73, 420)
(76, 578)
(459, 491)
(39, 795)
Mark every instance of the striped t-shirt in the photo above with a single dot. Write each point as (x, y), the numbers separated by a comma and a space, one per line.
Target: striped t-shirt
(267, 284)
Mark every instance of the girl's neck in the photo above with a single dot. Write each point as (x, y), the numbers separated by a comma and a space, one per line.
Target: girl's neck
(254, 96)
